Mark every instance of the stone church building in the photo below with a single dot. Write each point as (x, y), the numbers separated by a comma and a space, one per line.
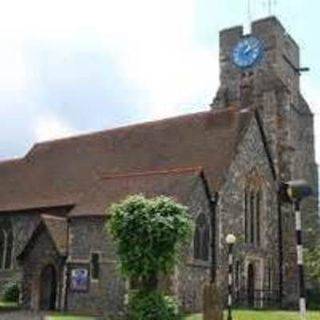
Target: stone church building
(225, 164)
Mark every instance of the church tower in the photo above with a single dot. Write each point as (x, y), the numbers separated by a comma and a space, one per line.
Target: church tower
(262, 71)
(275, 56)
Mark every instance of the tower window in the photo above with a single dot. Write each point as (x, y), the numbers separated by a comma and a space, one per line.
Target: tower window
(95, 266)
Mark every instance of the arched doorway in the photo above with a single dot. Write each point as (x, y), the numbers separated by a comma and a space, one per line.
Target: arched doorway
(48, 288)
(250, 285)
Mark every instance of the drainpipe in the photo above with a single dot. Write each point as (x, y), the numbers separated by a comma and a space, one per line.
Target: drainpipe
(213, 207)
(213, 201)
(64, 300)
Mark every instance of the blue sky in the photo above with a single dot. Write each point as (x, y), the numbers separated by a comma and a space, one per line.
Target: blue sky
(74, 66)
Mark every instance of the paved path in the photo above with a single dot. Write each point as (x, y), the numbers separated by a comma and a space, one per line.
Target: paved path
(20, 315)
(26, 315)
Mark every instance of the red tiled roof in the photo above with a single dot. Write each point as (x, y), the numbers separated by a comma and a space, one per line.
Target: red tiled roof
(56, 228)
(58, 172)
(178, 184)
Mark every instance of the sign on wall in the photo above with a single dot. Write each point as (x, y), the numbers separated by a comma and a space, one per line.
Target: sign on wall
(79, 279)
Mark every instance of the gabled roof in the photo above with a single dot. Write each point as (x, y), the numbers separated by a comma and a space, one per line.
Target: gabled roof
(57, 228)
(178, 184)
(59, 172)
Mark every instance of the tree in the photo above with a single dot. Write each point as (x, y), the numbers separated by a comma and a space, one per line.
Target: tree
(149, 235)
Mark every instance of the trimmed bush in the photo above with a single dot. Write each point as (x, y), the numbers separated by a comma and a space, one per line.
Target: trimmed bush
(152, 306)
(11, 292)
(149, 234)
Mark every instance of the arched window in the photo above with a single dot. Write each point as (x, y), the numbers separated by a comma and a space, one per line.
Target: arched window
(237, 278)
(252, 215)
(9, 249)
(2, 246)
(95, 266)
(246, 215)
(270, 275)
(258, 203)
(201, 238)
(6, 245)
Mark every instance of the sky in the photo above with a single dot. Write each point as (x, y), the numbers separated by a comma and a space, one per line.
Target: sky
(75, 66)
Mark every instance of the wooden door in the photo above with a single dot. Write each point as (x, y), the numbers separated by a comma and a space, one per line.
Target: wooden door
(48, 288)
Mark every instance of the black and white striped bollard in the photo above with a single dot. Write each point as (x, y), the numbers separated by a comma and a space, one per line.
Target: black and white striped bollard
(230, 239)
(302, 289)
(296, 191)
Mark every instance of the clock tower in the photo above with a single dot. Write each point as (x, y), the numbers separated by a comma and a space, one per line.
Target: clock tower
(279, 63)
(262, 71)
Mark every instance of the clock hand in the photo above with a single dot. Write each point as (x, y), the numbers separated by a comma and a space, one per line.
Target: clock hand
(247, 50)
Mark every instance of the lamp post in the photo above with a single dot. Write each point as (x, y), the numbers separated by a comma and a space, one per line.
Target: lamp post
(230, 240)
(296, 191)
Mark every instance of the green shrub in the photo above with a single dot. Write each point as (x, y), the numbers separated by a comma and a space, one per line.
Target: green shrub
(149, 234)
(11, 292)
(152, 306)
(313, 296)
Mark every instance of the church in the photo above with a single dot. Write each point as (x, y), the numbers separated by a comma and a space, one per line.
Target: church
(226, 164)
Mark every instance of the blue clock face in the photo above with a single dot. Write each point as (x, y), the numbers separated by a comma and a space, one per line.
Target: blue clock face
(248, 52)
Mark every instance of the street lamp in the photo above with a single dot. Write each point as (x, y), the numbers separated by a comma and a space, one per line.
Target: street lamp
(295, 191)
(230, 240)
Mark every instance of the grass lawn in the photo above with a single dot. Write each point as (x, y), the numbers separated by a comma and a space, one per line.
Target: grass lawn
(265, 315)
(8, 305)
(237, 315)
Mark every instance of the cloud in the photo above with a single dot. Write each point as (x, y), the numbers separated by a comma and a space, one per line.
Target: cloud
(97, 64)
(49, 127)
(175, 81)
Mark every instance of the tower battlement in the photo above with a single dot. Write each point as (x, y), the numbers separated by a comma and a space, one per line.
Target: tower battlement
(280, 61)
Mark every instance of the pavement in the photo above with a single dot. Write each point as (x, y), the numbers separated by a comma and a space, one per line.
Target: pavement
(25, 315)
(21, 315)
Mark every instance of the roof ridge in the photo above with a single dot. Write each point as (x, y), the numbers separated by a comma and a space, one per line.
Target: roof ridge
(9, 161)
(231, 109)
(154, 172)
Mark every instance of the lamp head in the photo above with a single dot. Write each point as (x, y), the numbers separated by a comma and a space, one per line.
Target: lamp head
(295, 190)
(230, 239)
